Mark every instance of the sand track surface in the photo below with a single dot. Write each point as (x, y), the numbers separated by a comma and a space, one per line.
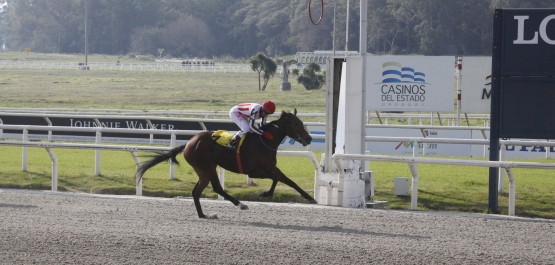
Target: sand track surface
(42, 227)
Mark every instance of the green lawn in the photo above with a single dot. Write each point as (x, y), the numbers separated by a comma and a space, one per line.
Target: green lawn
(442, 188)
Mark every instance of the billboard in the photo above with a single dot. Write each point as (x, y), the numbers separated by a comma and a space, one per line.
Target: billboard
(410, 83)
(476, 85)
(522, 80)
(406, 148)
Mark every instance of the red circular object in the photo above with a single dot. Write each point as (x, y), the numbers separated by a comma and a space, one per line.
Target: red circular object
(310, 13)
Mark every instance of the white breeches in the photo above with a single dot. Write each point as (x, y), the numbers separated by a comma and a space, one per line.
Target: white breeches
(239, 119)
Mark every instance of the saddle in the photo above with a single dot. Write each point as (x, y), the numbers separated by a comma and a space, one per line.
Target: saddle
(223, 137)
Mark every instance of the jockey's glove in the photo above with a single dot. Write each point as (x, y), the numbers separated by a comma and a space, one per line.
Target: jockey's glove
(268, 135)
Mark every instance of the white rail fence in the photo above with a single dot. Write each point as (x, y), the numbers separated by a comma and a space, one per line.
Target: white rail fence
(50, 146)
(98, 132)
(412, 162)
(104, 66)
(383, 118)
(485, 143)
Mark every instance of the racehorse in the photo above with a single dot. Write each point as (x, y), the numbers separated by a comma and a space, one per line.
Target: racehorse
(257, 156)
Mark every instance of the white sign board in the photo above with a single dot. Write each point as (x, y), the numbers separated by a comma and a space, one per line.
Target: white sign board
(410, 83)
(476, 85)
(406, 148)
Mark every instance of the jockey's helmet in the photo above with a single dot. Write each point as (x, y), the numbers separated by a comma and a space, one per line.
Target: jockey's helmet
(269, 106)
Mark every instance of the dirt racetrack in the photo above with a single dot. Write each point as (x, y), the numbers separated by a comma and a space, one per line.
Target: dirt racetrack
(42, 227)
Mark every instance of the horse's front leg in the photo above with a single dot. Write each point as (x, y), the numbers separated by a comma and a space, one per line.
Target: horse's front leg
(261, 174)
(276, 176)
(287, 181)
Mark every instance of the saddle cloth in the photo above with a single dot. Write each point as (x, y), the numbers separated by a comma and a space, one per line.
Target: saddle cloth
(222, 137)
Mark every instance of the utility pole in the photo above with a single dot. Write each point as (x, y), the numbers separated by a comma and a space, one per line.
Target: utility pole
(86, 33)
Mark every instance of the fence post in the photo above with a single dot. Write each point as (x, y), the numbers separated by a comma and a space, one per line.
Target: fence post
(54, 168)
(24, 150)
(501, 178)
(172, 145)
(512, 191)
(98, 140)
(414, 196)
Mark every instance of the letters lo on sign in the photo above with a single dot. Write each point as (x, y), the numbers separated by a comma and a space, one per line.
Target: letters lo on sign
(542, 31)
(523, 72)
(528, 39)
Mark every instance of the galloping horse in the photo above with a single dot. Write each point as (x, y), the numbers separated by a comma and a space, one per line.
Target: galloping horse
(257, 157)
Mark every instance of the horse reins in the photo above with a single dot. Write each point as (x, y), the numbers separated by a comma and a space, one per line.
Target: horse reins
(264, 143)
(298, 137)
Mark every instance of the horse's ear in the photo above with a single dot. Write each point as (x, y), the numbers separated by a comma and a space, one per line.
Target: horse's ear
(283, 114)
(295, 112)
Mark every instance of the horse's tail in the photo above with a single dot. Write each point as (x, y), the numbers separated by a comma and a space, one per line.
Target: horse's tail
(161, 157)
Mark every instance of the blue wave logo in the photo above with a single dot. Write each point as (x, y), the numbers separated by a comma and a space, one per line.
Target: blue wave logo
(394, 72)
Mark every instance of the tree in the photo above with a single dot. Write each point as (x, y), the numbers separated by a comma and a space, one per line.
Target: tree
(43, 26)
(236, 28)
(261, 63)
(310, 79)
(188, 36)
(304, 36)
(146, 40)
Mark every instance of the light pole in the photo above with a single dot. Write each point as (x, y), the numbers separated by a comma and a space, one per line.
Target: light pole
(86, 33)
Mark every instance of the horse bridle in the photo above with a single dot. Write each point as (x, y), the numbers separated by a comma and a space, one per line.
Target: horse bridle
(296, 137)
(264, 143)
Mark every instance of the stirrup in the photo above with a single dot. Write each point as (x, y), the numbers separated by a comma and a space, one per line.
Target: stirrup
(232, 144)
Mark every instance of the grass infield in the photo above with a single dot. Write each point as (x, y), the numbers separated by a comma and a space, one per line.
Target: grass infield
(441, 187)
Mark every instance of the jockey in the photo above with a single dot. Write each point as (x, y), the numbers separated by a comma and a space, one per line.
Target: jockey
(245, 116)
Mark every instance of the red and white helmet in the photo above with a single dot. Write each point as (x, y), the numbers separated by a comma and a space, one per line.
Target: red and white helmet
(269, 106)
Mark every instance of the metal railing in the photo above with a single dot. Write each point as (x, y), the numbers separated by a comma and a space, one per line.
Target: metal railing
(413, 162)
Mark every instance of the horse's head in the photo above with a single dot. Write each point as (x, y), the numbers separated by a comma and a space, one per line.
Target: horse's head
(294, 127)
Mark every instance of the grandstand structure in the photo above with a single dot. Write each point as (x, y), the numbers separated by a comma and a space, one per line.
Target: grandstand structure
(320, 57)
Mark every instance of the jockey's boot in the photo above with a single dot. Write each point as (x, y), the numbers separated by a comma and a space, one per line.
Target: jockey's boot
(235, 141)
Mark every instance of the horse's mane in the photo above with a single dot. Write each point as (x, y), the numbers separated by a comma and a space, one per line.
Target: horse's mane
(274, 122)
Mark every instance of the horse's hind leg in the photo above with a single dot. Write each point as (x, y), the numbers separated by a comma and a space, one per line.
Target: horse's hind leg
(197, 191)
(217, 187)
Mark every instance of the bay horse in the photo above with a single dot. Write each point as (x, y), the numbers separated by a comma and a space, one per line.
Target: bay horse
(257, 156)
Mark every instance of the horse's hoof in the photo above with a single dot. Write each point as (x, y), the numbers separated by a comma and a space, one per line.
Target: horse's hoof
(265, 194)
(313, 201)
(243, 207)
(213, 216)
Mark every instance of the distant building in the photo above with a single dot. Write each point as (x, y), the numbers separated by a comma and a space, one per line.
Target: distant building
(320, 56)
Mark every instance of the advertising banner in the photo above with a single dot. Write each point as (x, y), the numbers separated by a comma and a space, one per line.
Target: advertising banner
(523, 74)
(410, 83)
(476, 85)
(406, 148)
(511, 151)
